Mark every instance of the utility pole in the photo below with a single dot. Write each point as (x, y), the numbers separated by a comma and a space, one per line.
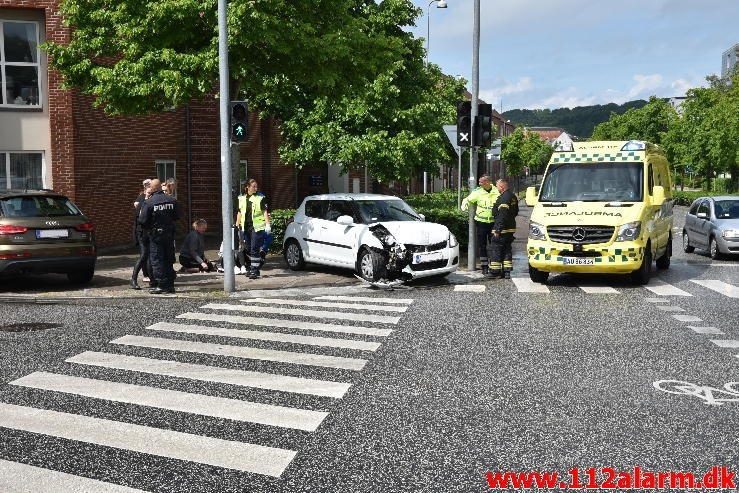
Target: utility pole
(473, 116)
(226, 204)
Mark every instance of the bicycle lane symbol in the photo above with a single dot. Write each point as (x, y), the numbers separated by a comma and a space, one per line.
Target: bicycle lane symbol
(711, 396)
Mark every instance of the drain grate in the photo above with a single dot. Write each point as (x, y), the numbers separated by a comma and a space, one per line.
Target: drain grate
(28, 327)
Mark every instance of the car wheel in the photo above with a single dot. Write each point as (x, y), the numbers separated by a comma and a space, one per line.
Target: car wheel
(370, 265)
(642, 274)
(687, 247)
(664, 261)
(537, 275)
(713, 249)
(81, 277)
(294, 255)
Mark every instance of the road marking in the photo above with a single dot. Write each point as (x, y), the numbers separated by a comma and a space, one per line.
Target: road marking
(241, 378)
(598, 289)
(327, 304)
(155, 441)
(402, 301)
(686, 318)
(657, 300)
(526, 285)
(245, 352)
(728, 343)
(174, 400)
(670, 309)
(720, 287)
(470, 288)
(356, 317)
(705, 330)
(22, 478)
(266, 336)
(661, 288)
(287, 324)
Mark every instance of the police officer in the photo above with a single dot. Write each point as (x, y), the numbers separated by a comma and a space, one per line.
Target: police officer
(505, 211)
(484, 197)
(253, 218)
(159, 215)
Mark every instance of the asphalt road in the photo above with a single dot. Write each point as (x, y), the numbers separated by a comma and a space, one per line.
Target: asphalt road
(465, 383)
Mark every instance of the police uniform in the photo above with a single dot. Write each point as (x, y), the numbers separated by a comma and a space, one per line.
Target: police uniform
(484, 200)
(159, 215)
(253, 225)
(505, 211)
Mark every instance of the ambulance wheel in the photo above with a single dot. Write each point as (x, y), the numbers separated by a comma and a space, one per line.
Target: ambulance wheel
(537, 275)
(664, 261)
(641, 275)
(294, 255)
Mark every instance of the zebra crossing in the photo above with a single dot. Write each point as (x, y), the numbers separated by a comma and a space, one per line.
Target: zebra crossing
(356, 324)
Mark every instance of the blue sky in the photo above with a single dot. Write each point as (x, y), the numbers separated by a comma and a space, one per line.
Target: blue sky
(566, 53)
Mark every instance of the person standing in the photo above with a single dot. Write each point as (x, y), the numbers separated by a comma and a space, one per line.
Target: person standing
(141, 239)
(253, 218)
(159, 215)
(505, 211)
(483, 197)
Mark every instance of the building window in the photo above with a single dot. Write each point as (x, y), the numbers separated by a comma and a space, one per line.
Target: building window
(19, 64)
(21, 171)
(166, 169)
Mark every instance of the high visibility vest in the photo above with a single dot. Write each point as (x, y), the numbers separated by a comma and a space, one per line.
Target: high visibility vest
(484, 200)
(257, 214)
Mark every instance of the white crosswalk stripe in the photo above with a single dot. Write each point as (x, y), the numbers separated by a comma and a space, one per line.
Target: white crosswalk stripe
(174, 400)
(470, 288)
(687, 318)
(240, 456)
(526, 285)
(242, 378)
(288, 324)
(705, 330)
(727, 343)
(356, 317)
(22, 478)
(328, 304)
(402, 301)
(661, 288)
(242, 352)
(598, 289)
(265, 336)
(719, 286)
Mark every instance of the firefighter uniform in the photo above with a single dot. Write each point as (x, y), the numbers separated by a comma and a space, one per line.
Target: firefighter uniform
(484, 200)
(254, 226)
(159, 215)
(505, 211)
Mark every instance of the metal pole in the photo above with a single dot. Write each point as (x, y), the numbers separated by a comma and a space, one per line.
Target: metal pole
(226, 204)
(459, 177)
(473, 117)
(428, 34)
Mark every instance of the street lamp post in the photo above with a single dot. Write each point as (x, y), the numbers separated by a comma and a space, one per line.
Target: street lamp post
(226, 204)
(442, 5)
(473, 116)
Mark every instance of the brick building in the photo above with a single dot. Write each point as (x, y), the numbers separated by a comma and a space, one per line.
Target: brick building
(54, 138)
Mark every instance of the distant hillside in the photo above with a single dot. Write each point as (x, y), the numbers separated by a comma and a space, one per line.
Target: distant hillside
(578, 121)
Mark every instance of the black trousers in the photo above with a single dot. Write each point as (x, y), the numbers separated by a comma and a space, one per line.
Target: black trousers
(142, 264)
(190, 263)
(162, 258)
(501, 253)
(483, 231)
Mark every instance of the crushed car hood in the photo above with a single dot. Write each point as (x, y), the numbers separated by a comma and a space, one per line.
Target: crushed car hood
(416, 232)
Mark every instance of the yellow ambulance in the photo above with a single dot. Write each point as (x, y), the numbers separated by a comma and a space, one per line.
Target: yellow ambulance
(603, 207)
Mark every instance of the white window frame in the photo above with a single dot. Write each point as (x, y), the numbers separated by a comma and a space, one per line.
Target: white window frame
(165, 163)
(5, 163)
(3, 64)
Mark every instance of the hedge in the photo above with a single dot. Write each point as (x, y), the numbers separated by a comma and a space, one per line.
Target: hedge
(687, 198)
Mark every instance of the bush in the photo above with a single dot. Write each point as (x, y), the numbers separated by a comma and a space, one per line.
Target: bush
(687, 198)
(280, 219)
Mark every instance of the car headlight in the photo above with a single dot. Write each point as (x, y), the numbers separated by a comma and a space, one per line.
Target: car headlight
(452, 241)
(536, 231)
(629, 231)
(730, 233)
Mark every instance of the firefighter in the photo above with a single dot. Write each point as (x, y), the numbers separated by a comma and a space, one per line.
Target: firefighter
(505, 210)
(483, 197)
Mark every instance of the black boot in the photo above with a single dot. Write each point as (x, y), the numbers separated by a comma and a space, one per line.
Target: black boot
(134, 284)
(484, 269)
(507, 274)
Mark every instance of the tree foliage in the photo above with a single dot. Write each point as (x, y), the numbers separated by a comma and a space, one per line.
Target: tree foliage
(650, 123)
(525, 149)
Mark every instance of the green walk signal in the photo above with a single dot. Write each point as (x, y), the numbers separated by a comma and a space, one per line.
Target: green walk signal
(239, 121)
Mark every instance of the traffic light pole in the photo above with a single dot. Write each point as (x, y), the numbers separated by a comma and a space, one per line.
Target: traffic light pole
(226, 204)
(473, 117)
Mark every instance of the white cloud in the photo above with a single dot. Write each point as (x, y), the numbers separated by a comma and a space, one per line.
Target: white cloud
(646, 85)
(494, 94)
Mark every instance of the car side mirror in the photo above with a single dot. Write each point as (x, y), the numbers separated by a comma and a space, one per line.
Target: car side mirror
(658, 195)
(702, 215)
(345, 220)
(531, 198)
(423, 218)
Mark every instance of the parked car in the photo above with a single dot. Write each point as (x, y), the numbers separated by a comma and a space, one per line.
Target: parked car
(712, 224)
(378, 236)
(44, 232)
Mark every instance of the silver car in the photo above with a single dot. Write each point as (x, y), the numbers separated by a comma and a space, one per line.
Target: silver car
(712, 224)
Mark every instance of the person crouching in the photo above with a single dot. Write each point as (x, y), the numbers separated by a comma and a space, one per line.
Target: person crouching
(192, 254)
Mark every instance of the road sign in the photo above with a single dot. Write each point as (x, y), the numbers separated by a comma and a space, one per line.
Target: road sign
(451, 134)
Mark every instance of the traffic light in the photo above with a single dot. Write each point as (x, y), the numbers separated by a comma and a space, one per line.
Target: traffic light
(239, 121)
(464, 134)
(484, 125)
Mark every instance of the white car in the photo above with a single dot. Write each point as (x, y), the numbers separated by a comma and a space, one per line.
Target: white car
(378, 236)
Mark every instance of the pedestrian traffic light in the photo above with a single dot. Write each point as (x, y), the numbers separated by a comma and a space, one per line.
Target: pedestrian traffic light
(464, 134)
(484, 125)
(239, 121)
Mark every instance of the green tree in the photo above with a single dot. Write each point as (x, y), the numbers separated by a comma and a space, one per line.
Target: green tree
(525, 149)
(650, 123)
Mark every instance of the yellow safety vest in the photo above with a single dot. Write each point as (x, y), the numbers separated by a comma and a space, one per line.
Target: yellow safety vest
(257, 214)
(485, 200)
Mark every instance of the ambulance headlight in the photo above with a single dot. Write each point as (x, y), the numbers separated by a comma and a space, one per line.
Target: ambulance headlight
(536, 231)
(453, 241)
(629, 231)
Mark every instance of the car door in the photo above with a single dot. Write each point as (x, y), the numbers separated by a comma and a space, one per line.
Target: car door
(690, 221)
(339, 240)
(703, 224)
(312, 229)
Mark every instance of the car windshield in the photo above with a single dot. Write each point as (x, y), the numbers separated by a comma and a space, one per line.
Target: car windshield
(727, 209)
(38, 206)
(593, 182)
(373, 211)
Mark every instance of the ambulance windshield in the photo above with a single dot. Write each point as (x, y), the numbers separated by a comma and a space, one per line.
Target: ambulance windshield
(593, 182)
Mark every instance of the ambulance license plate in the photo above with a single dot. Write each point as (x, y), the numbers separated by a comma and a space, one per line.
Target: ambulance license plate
(420, 258)
(578, 261)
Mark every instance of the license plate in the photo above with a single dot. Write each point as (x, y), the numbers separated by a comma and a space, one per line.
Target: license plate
(420, 258)
(579, 261)
(52, 233)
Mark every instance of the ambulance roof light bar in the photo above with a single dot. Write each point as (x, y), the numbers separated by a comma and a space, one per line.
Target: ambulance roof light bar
(634, 145)
(564, 147)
